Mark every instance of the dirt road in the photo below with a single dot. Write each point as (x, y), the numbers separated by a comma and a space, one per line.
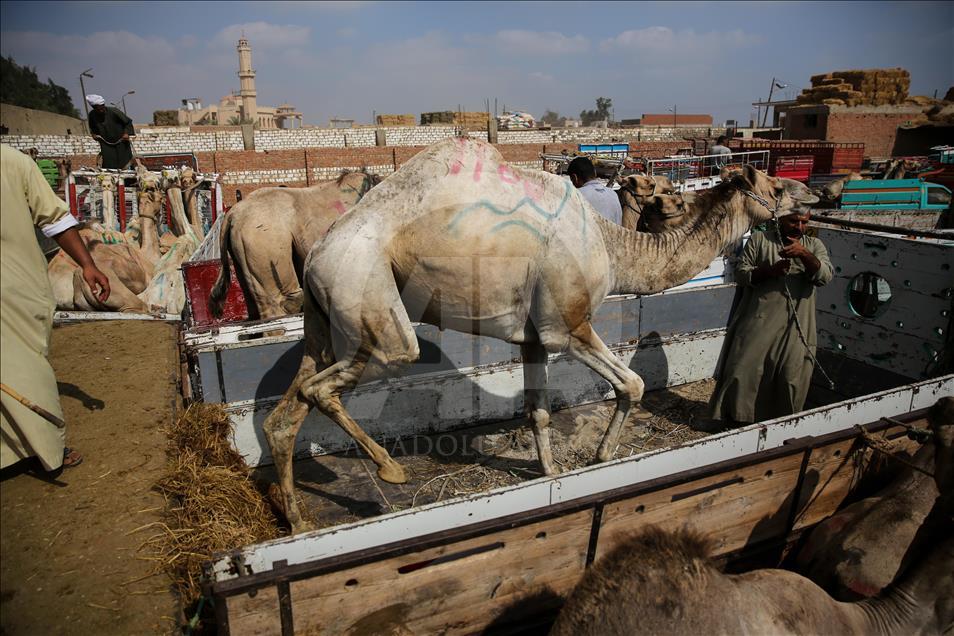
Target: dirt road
(68, 549)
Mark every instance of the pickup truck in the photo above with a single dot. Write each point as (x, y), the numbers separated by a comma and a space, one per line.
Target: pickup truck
(895, 194)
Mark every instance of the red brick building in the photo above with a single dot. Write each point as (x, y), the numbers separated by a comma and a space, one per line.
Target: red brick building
(680, 120)
(875, 126)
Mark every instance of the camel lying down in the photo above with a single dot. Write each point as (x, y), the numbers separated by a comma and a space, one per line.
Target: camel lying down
(663, 582)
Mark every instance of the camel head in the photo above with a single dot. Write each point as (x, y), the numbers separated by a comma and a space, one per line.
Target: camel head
(778, 196)
(107, 182)
(170, 179)
(188, 178)
(640, 185)
(664, 212)
(150, 195)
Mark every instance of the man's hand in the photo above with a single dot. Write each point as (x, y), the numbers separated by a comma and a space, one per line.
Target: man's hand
(97, 281)
(779, 268)
(125, 137)
(763, 273)
(793, 248)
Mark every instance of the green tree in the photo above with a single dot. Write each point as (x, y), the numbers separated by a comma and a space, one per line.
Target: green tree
(20, 86)
(552, 118)
(603, 107)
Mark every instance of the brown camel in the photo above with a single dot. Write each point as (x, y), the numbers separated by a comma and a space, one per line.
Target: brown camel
(664, 583)
(164, 291)
(460, 239)
(635, 191)
(857, 552)
(269, 233)
(129, 266)
(189, 184)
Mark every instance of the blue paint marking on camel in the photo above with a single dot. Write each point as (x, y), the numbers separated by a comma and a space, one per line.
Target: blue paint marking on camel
(485, 204)
(522, 224)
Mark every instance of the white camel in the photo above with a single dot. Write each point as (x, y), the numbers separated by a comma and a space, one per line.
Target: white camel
(460, 239)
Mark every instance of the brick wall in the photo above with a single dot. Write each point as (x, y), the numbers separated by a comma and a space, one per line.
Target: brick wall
(875, 126)
(878, 130)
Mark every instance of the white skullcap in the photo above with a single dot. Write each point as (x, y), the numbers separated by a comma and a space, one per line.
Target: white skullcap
(95, 100)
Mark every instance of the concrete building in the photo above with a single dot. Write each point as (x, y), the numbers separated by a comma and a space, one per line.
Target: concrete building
(240, 106)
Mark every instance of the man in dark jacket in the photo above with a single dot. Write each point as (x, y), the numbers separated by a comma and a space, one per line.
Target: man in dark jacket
(112, 128)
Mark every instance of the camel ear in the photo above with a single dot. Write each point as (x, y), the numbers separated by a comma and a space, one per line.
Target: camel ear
(750, 175)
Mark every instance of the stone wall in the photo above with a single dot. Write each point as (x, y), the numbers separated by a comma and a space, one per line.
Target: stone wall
(29, 121)
(174, 139)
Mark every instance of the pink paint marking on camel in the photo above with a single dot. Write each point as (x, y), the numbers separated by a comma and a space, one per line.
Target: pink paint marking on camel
(457, 163)
(532, 189)
(339, 207)
(506, 174)
(477, 170)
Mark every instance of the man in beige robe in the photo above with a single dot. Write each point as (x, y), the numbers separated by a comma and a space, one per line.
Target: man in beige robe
(26, 309)
(767, 367)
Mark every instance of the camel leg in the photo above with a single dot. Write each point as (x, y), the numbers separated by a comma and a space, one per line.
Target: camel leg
(281, 428)
(587, 347)
(537, 402)
(325, 391)
(121, 298)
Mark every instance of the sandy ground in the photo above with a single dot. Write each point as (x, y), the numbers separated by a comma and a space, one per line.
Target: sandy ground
(69, 547)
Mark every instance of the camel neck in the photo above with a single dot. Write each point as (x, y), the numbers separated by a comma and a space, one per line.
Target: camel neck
(644, 263)
(149, 238)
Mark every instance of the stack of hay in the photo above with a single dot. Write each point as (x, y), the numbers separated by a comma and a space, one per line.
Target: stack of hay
(875, 87)
(473, 120)
(441, 117)
(396, 120)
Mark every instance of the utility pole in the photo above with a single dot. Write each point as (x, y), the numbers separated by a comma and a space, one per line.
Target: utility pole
(771, 89)
(85, 73)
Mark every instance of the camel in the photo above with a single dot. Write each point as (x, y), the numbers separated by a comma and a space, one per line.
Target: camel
(459, 239)
(189, 184)
(128, 264)
(164, 291)
(635, 191)
(663, 582)
(857, 552)
(269, 233)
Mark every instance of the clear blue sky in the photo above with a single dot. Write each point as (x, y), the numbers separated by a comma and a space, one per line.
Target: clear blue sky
(348, 59)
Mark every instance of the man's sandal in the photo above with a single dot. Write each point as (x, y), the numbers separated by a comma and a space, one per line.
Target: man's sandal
(71, 458)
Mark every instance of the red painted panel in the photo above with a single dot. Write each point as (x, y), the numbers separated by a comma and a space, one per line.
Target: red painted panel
(200, 277)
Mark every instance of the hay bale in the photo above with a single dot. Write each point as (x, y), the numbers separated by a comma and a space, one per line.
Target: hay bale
(833, 102)
(396, 120)
(815, 79)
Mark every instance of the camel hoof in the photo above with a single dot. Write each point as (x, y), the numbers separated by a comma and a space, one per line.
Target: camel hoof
(550, 471)
(604, 456)
(302, 526)
(392, 473)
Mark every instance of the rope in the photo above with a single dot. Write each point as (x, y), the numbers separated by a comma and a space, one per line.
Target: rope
(790, 302)
(111, 143)
(878, 445)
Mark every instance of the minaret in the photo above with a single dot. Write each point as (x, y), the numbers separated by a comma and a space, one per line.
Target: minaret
(247, 82)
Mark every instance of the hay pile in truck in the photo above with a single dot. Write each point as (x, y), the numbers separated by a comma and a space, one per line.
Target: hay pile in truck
(874, 87)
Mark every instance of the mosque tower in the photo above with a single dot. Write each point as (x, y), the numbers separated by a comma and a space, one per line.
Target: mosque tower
(246, 75)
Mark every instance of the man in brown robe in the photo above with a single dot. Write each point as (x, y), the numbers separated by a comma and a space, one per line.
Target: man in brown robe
(767, 364)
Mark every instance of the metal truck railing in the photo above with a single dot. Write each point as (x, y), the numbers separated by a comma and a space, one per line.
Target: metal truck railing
(680, 169)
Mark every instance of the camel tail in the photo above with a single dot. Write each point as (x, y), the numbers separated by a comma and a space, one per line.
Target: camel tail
(222, 283)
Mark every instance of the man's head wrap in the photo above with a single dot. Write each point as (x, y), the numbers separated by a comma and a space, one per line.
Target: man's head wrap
(95, 100)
